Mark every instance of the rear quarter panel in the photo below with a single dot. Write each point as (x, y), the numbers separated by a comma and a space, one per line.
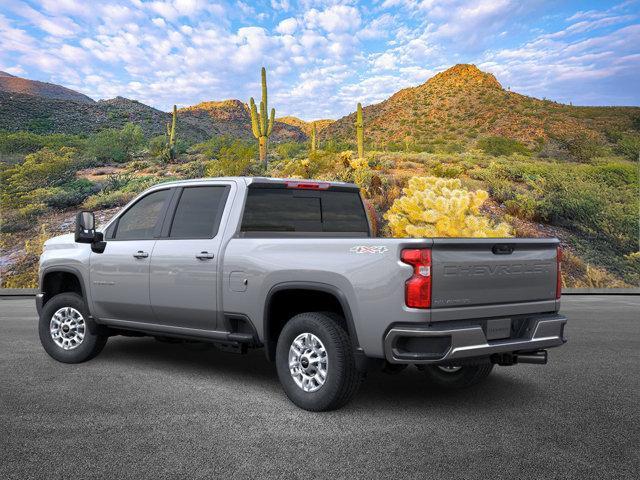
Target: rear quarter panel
(371, 279)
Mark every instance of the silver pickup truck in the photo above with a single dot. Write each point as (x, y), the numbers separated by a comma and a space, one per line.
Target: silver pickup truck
(291, 266)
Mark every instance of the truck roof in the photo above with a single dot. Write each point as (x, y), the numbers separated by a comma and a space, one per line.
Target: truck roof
(269, 181)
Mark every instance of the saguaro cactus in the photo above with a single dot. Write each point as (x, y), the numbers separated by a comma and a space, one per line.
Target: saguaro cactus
(260, 124)
(171, 135)
(360, 132)
(314, 137)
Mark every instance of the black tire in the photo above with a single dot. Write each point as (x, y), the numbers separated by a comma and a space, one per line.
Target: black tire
(465, 376)
(342, 379)
(90, 346)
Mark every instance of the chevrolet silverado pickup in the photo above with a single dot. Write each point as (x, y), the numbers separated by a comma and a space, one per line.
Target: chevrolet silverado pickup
(291, 266)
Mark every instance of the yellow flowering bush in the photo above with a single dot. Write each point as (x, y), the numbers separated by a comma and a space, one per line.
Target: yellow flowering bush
(441, 207)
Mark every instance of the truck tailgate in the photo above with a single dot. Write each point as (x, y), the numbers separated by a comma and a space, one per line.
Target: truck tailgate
(468, 272)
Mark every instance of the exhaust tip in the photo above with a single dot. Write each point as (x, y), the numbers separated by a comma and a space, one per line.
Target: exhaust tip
(506, 359)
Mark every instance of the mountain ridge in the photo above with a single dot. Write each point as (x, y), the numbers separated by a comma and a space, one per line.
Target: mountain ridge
(464, 103)
(459, 105)
(17, 85)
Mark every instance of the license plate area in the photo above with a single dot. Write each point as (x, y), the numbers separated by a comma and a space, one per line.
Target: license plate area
(498, 328)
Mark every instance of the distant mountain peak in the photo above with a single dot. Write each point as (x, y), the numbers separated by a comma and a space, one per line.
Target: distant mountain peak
(17, 85)
(217, 105)
(464, 75)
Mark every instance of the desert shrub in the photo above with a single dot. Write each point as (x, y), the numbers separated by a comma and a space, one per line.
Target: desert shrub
(45, 168)
(437, 207)
(613, 174)
(336, 146)
(67, 195)
(629, 146)
(452, 147)
(320, 165)
(447, 170)
(117, 181)
(138, 165)
(28, 142)
(581, 146)
(27, 277)
(523, 206)
(116, 145)
(40, 125)
(231, 157)
(195, 169)
(498, 146)
(289, 150)
(578, 273)
(107, 200)
(158, 145)
(221, 145)
(599, 201)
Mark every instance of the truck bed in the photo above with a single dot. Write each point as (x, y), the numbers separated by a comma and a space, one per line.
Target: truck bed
(471, 278)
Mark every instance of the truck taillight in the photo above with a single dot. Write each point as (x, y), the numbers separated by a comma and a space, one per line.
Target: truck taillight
(308, 185)
(418, 287)
(559, 272)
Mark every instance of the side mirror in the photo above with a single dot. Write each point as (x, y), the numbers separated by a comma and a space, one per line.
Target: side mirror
(85, 227)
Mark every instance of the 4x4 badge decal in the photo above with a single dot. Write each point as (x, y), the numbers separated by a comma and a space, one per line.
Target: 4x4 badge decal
(369, 249)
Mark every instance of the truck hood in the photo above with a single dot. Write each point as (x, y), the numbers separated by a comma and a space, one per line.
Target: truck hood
(66, 240)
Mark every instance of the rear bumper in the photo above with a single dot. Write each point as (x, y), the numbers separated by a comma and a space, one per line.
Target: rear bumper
(445, 344)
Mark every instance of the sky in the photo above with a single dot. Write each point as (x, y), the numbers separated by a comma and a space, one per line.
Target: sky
(322, 57)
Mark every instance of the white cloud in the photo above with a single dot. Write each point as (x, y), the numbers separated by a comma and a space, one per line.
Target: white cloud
(335, 19)
(15, 70)
(379, 27)
(280, 5)
(73, 55)
(386, 61)
(322, 56)
(56, 26)
(287, 26)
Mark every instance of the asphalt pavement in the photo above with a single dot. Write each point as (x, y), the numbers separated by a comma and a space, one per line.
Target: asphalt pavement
(144, 409)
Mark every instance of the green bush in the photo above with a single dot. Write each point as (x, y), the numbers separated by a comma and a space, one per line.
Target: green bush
(629, 146)
(116, 145)
(28, 142)
(523, 206)
(40, 125)
(598, 201)
(157, 145)
(107, 200)
(289, 150)
(69, 194)
(43, 169)
(447, 170)
(498, 146)
(195, 169)
(230, 157)
(581, 146)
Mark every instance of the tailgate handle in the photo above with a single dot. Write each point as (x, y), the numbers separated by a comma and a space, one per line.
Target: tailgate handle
(502, 249)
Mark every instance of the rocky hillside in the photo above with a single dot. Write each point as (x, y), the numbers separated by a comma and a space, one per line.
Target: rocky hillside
(48, 108)
(305, 126)
(20, 111)
(12, 84)
(232, 118)
(464, 103)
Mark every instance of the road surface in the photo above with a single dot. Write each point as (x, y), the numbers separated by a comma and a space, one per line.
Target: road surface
(144, 409)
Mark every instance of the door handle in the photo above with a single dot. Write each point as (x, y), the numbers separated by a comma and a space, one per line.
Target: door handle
(204, 256)
(141, 254)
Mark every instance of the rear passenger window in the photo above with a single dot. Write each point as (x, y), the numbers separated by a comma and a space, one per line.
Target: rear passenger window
(198, 212)
(288, 210)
